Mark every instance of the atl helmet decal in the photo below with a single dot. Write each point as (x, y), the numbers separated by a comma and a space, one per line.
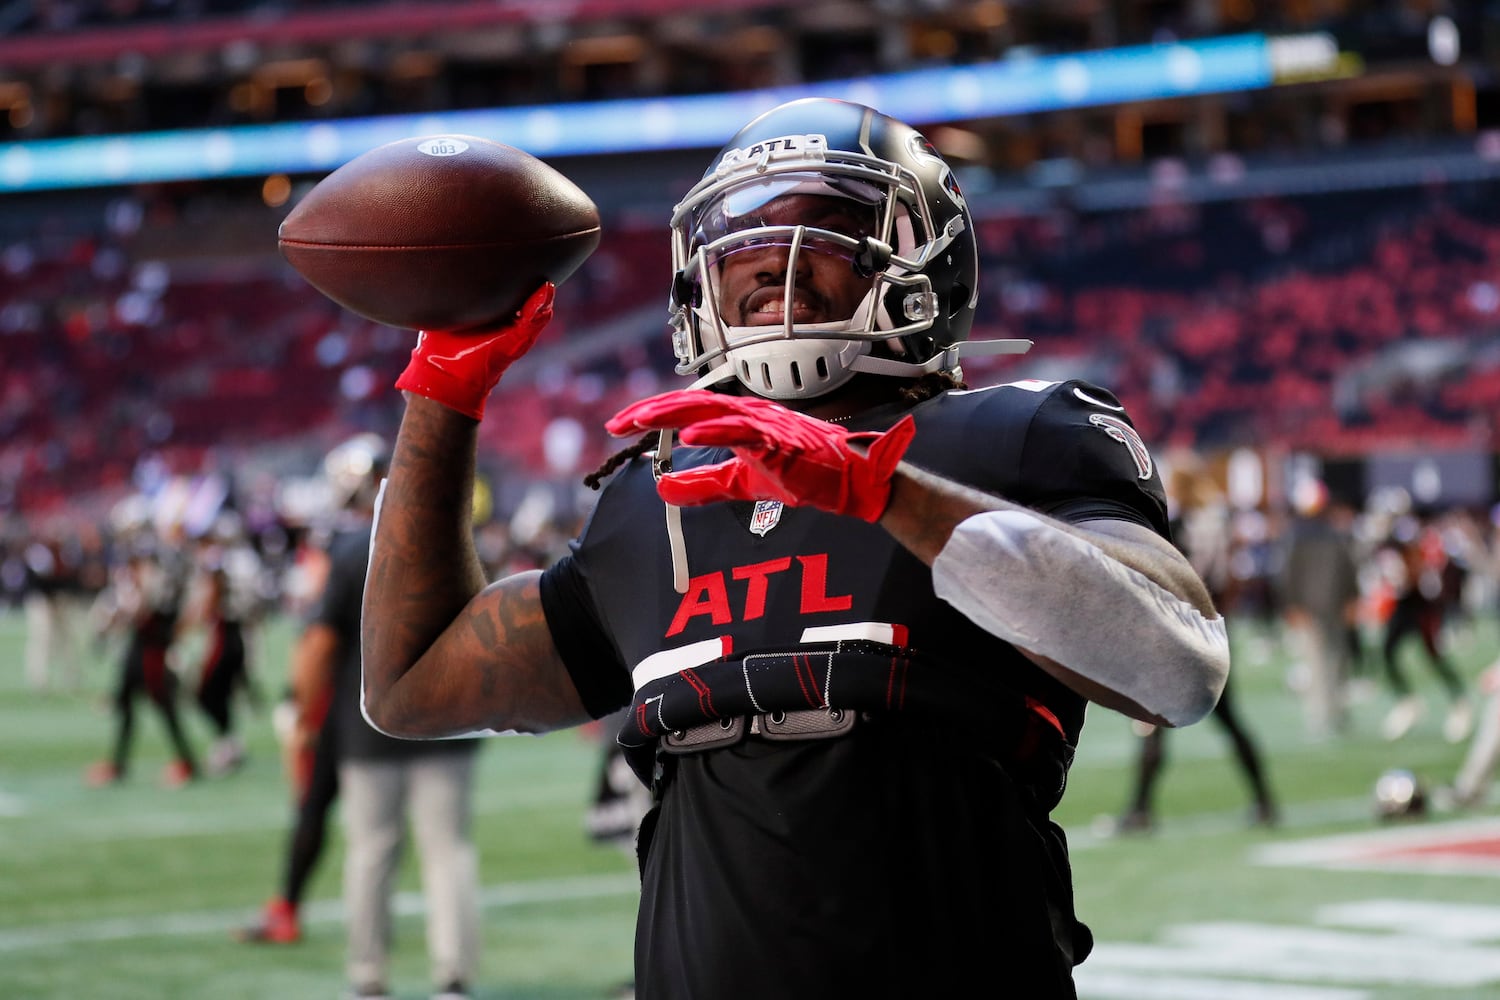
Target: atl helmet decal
(1126, 435)
(760, 154)
(766, 516)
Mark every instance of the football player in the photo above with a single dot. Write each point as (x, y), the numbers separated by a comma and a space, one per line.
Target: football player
(856, 609)
(144, 601)
(391, 791)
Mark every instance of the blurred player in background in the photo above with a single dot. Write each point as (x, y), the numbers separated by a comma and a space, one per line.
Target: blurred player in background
(222, 602)
(1413, 559)
(385, 782)
(145, 601)
(308, 733)
(1201, 529)
(1471, 784)
(1318, 589)
(858, 637)
(55, 611)
(312, 755)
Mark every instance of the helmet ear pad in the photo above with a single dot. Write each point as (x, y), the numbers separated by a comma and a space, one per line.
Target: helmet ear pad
(955, 303)
(353, 469)
(959, 299)
(685, 292)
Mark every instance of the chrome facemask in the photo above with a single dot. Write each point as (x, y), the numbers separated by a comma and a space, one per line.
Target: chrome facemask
(866, 219)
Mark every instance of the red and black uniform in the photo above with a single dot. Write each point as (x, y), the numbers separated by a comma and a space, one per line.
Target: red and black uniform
(809, 706)
(1418, 610)
(225, 667)
(144, 667)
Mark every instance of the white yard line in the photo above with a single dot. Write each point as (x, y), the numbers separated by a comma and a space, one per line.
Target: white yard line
(212, 922)
(1152, 986)
(1346, 950)
(1415, 847)
(70, 823)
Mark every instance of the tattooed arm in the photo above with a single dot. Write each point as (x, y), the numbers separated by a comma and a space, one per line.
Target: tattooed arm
(444, 654)
(1108, 607)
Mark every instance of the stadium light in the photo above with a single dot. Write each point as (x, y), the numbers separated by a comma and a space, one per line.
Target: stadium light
(1017, 85)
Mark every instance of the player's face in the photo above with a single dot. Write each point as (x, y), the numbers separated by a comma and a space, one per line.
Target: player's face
(753, 277)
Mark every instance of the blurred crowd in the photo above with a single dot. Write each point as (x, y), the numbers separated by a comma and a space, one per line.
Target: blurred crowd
(1339, 323)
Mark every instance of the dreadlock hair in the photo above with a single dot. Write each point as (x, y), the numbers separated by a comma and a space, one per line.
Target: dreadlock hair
(931, 385)
(596, 478)
(919, 391)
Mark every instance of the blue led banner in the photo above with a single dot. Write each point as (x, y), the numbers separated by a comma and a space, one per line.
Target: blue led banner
(1016, 85)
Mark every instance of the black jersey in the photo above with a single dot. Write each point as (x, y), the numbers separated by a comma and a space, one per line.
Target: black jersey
(916, 850)
(339, 607)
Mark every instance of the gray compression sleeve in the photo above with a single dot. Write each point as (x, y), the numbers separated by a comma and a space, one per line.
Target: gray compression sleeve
(1049, 592)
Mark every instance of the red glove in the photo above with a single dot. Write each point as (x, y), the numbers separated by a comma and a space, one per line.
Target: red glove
(460, 370)
(779, 454)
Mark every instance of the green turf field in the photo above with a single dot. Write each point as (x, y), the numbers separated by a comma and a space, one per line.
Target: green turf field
(131, 892)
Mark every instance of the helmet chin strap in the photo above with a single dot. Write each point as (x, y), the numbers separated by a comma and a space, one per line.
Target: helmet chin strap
(985, 348)
(942, 361)
(661, 464)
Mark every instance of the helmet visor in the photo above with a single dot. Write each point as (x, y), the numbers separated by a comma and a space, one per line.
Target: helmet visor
(846, 206)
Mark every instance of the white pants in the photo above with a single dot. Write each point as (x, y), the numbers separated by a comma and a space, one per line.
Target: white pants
(1472, 784)
(53, 622)
(436, 792)
(1325, 653)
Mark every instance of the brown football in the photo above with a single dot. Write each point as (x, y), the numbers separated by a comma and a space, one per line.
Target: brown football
(446, 232)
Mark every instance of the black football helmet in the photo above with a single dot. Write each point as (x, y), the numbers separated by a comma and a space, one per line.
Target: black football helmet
(899, 220)
(354, 468)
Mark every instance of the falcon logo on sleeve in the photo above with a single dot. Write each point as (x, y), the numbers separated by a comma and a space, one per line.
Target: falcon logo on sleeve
(1126, 435)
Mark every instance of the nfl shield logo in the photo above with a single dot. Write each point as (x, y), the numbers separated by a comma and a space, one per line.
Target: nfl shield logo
(767, 514)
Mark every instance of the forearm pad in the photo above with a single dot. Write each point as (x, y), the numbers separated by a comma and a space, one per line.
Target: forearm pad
(1047, 591)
